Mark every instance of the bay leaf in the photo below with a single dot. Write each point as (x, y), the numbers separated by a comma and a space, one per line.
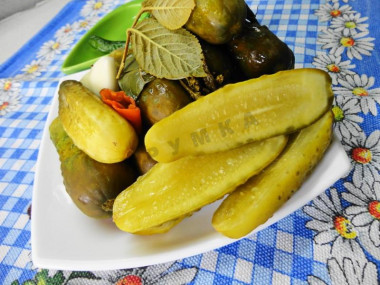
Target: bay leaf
(133, 80)
(164, 53)
(172, 14)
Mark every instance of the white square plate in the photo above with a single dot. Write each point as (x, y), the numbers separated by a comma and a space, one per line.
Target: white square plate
(64, 238)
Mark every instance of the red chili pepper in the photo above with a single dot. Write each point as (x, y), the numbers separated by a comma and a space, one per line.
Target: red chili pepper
(124, 105)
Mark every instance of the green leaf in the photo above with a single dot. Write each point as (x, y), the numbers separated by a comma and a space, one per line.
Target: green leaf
(165, 53)
(42, 277)
(57, 279)
(133, 79)
(172, 14)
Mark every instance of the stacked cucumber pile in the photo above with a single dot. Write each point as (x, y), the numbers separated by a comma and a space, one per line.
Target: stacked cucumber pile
(252, 139)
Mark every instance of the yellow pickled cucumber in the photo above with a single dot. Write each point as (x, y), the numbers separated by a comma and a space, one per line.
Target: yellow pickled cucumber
(243, 112)
(168, 192)
(93, 126)
(163, 228)
(254, 202)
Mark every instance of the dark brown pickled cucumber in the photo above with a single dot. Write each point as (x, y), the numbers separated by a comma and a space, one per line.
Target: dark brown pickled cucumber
(219, 63)
(143, 160)
(258, 51)
(160, 98)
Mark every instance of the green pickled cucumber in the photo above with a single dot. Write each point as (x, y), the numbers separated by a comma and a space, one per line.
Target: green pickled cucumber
(167, 193)
(254, 202)
(94, 127)
(243, 112)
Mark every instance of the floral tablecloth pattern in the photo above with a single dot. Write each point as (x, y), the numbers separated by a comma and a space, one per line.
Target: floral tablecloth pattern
(334, 239)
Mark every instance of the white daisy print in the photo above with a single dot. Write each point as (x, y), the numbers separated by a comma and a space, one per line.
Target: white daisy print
(84, 25)
(314, 280)
(8, 103)
(355, 86)
(64, 31)
(365, 156)
(354, 45)
(96, 7)
(34, 69)
(333, 227)
(9, 96)
(346, 119)
(329, 11)
(9, 87)
(351, 273)
(333, 65)
(349, 24)
(55, 47)
(347, 273)
(364, 211)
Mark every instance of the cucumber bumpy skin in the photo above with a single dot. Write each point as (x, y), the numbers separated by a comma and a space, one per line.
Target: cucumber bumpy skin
(254, 202)
(243, 112)
(167, 192)
(94, 127)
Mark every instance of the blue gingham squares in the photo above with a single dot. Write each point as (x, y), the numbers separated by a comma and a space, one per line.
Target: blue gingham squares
(284, 253)
(266, 257)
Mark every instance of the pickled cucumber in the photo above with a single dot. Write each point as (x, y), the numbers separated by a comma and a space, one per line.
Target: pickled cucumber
(254, 202)
(166, 193)
(239, 113)
(163, 228)
(89, 183)
(94, 127)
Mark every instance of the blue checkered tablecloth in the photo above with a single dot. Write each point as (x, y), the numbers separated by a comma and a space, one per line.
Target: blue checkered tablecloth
(334, 239)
